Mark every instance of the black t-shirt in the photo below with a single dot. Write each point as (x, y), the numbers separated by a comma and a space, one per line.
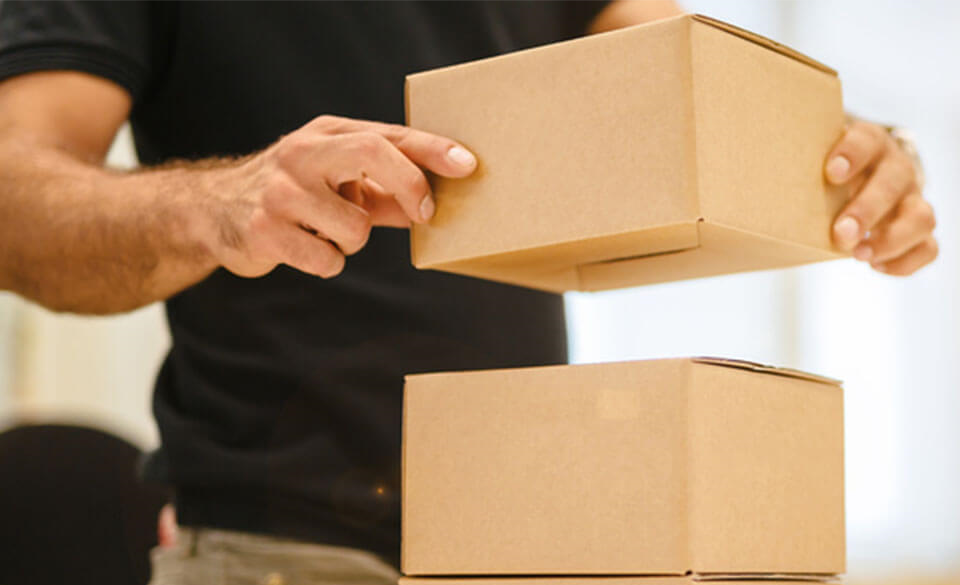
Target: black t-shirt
(279, 405)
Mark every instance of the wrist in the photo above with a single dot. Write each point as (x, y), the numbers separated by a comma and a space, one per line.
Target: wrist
(183, 212)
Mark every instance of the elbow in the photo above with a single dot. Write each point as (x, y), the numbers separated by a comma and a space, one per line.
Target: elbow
(71, 300)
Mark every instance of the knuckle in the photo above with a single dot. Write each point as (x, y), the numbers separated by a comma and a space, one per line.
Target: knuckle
(332, 265)
(326, 122)
(355, 236)
(888, 190)
(278, 191)
(402, 134)
(366, 144)
(260, 221)
(859, 137)
(359, 227)
(292, 149)
(894, 187)
(872, 132)
(904, 168)
(926, 216)
(417, 183)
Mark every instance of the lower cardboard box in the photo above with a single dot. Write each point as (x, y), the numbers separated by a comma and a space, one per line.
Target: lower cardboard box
(658, 467)
(692, 579)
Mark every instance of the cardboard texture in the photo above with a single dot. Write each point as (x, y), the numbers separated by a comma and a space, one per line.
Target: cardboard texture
(612, 580)
(673, 150)
(664, 467)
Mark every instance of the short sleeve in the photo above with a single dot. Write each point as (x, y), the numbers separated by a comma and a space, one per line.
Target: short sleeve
(114, 40)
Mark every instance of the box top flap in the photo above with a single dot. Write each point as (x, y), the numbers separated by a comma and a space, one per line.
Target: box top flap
(764, 42)
(766, 369)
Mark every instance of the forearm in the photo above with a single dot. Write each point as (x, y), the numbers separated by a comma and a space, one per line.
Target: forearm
(623, 13)
(79, 238)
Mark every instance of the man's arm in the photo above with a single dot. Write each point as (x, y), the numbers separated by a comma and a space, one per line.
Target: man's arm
(80, 238)
(73, 236)
(622, 13)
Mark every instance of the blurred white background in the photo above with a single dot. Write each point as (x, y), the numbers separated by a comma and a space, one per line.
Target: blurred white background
(894, 342)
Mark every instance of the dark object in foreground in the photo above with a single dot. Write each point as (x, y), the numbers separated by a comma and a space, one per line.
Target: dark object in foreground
(73, 508)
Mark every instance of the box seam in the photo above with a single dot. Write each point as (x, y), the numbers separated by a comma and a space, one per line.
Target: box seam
(403, 474)
(696, 219)
(834, 254)
(765, 42)
(690, 464)
(694, 130)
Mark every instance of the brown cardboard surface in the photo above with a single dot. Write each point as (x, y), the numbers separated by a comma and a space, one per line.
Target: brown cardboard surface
(629, 468)
(593, 150)
(615, 580)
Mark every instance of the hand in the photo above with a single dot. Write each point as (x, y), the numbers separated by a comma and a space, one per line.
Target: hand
(887, 222)
(313, 196)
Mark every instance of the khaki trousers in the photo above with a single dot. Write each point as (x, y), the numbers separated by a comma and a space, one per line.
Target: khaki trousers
(219, 557)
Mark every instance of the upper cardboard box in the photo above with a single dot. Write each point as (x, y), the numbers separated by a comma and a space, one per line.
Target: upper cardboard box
(672, 150)
(699, 466)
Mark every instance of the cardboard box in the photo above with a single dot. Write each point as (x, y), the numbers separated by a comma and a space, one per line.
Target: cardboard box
(667, 467)
(673, 150)
(610, 580)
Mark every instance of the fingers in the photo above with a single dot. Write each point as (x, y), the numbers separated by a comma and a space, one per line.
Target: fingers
(887, 222)
(388, 154)
(912, 223)
(367, 155)
(438, 154)
(916, 258)
(324, 163)
(382, 207)
(307, 253)
(861, 146)
(322, 213)
(892, 179)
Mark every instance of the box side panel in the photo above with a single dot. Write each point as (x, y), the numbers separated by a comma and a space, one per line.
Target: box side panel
(549, 280)
(553, 268)
(565, 470)
(576, 140)
(765, 123)
(722, 250)
(559, 580)
(767, 473)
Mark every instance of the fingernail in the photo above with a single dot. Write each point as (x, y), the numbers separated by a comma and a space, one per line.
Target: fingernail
(838, 168)
(461, 156)
(863, 252)
(427, 208)
(847, 232)
(879, 267)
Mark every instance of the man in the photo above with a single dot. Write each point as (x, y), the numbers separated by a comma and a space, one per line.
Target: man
(271, 147)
